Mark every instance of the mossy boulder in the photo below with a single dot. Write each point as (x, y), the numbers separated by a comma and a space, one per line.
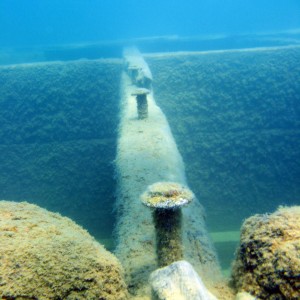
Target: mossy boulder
(46, 256)
(268, 261)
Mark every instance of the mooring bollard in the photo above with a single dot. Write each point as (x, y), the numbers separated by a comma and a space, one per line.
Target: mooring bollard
(142, 103)
(166, 200)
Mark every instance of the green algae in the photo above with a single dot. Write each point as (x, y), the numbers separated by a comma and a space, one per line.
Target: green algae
(235, 118)
(58, 138)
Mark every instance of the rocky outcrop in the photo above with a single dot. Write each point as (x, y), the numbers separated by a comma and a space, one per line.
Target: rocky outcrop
(46, 256)
(268, 263)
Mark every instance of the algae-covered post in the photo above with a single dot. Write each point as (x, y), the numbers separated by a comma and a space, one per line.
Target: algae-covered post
(141, 102)
(166, 200)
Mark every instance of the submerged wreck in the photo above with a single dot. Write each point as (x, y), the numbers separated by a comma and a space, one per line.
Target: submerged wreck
(162, 246)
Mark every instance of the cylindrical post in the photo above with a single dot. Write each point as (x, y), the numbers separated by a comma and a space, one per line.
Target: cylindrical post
(166, 200)
(142, 106)
(168, 235)
(142, 103)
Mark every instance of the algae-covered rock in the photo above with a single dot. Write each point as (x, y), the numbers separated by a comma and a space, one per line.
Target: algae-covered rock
(46, 256)
(268, 260)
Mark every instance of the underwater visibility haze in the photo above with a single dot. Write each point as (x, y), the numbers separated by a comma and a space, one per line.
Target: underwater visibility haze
(104, 101)
(55, 22)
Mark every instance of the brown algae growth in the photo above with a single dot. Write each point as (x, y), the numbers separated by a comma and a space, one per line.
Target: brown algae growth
(268, 261)
(46, 256)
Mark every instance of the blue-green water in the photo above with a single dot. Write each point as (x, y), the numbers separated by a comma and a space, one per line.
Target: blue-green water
(56, 22)
(45, 30)
(235, 115)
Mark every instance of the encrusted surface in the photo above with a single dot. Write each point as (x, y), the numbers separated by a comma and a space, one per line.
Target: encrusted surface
(58, 138)
(268, 260)
(46, 256)
(167, 195)
(235, 118)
